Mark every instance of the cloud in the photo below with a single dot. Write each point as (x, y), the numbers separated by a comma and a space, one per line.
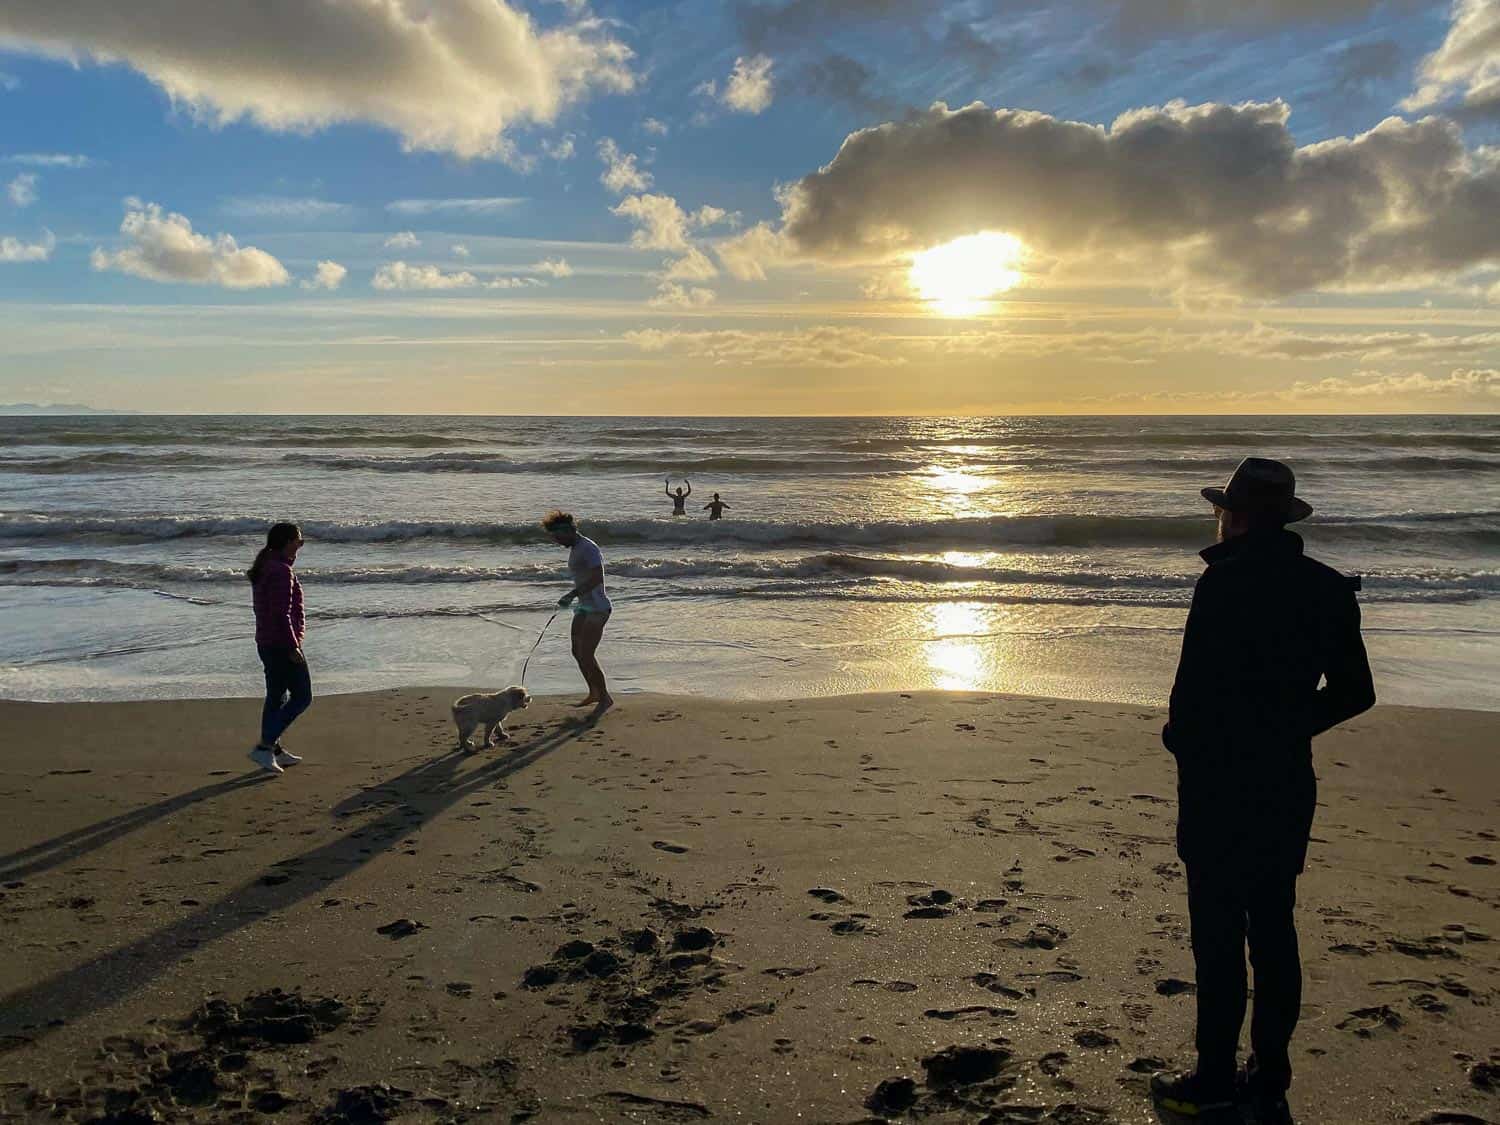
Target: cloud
(1358, 66)
(1472, 384)
(282, 207)
(749, 87)
(620, 173)
(692, 266)
(711, 216)
(488, 205)
(1468, 59)
(449, 77)
(825, 347)
(403, 240)
(1180, 17)
(670, 295)
(9, 82)
(50, 160)
(13, 250)
(1208, 198)
(553, 267)
(654, 126)
(459, 250)
(797, 22)
(841, 77)
(162, 246)
(22, 190)
(660, 222)
(399, 275)
(560, 149)
(747, 256)
(330, 276)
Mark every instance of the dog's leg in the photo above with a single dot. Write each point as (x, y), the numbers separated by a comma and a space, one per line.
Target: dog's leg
(463, 734)
(500, 731)
(489, 734)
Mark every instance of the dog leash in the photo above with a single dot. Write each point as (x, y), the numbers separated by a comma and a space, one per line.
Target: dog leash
(535, 646)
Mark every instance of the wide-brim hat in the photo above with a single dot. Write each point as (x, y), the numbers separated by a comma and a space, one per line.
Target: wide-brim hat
(1259, 485)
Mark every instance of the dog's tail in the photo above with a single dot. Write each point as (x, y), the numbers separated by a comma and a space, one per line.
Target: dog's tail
(464, 701)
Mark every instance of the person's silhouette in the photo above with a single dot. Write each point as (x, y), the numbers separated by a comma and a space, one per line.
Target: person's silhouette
(1267, 623)
(679, 498)
(715, 508)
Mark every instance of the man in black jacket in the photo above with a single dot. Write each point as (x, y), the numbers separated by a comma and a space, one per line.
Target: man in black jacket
(1267, 624)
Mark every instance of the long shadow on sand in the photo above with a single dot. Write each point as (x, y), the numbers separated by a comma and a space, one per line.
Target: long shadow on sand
(79, 842)
(409, 801)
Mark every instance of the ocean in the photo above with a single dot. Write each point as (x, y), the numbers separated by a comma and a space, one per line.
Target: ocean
(1050, 556)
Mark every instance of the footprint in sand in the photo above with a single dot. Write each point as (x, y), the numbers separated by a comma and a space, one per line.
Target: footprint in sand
(827, 894)
(1364, 1022)
(668, 846)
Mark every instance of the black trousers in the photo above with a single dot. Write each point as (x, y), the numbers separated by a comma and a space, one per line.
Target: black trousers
(288, 691)
(1230, 905)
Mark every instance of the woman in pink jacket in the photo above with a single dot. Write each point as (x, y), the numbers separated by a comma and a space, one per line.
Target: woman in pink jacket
(280, 624)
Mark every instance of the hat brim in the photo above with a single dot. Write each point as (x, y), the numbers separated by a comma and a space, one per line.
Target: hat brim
(1294, 509)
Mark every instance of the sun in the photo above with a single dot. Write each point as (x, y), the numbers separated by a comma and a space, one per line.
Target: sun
(958, 277)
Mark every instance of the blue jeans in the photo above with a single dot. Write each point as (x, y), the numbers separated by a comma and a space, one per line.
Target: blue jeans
(288, 691)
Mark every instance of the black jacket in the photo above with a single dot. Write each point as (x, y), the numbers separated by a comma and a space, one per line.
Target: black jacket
(1267, 623)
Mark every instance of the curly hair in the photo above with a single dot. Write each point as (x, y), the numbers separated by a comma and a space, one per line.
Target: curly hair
(556, 519)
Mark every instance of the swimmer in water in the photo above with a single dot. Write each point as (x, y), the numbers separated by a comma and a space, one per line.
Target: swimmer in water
(715, 508)
(679, 498)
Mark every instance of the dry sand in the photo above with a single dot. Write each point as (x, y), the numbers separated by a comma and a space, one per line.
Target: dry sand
(699, 910)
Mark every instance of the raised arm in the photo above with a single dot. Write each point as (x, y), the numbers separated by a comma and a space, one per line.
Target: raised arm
(689, 491)
(667, 488)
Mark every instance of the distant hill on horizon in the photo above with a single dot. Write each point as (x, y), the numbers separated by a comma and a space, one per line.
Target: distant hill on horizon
(14, 408)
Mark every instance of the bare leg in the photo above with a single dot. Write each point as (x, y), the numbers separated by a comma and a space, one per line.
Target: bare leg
(591, 633)
(577, 636)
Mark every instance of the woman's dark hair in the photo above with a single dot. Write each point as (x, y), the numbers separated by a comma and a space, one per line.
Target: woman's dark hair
(278, 537)
(557, 519)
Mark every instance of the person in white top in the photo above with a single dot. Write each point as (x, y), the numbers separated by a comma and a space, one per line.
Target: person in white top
(591, 605)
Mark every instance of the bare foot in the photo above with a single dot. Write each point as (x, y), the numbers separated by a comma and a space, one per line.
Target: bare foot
(587, 701)
(604, 705)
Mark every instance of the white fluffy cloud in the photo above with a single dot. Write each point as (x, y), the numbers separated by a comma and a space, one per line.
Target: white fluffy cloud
(553, 267)
(660, 223)
(655, 126)
(399, 275)
(459, 250)
(330, 275)
(1208, 197)
(748, 89)
(747, 256)
(21, 191)
(692, 266)
(162, 246)
(403, 240)
(1468, 60)
(670, 295)
(620, 173)
(13, 250)
(448, 77)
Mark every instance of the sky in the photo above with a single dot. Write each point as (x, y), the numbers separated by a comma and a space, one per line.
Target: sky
(751, 206)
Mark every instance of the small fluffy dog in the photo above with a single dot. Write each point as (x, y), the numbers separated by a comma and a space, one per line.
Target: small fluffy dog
(487, 709)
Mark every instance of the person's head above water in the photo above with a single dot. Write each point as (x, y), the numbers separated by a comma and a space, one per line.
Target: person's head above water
(561, 526)
(716, 495)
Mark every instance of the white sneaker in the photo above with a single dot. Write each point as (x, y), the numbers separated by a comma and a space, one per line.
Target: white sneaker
(285, 757)
(265, 759)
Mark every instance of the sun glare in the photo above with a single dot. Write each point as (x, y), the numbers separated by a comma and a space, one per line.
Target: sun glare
(959, 277)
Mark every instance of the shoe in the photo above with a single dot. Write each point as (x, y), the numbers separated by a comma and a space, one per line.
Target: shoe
(1189, 1094)
(265, 759)
(1268, 1108)
(285, 757)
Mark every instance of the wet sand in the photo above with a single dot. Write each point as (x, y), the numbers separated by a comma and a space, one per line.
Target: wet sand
(953, 906)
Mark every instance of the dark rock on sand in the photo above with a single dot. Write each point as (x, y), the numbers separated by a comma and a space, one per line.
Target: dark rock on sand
(894, 1095)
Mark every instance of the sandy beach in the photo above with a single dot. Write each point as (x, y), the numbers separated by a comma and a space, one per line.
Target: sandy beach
(953, 906)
